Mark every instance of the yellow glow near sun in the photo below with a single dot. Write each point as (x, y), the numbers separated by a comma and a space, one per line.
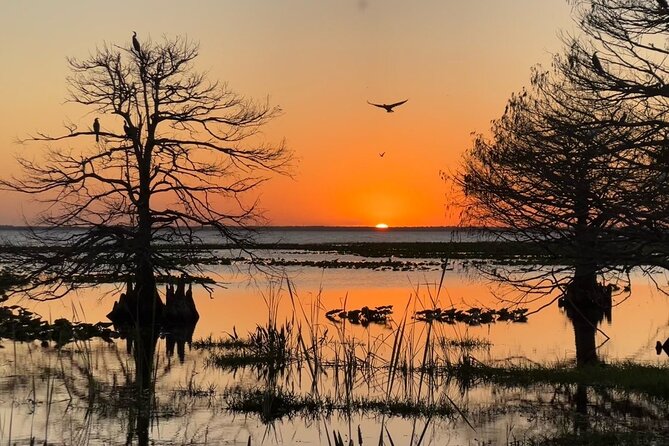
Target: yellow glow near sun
(381, 226)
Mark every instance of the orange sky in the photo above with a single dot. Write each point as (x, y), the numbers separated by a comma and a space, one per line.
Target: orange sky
(320, 61)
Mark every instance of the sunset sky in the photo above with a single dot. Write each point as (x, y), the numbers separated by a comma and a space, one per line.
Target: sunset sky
(320, 61)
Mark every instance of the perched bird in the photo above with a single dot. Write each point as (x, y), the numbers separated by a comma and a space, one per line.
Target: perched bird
(597, 64)
(660, 347)
(381, 154)
(623, 118)
(388, 107)
(96, 129)
(129, 130)
(135, 42)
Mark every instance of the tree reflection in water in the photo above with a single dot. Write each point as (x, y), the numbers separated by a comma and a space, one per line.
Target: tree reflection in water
(141, 342)
(586, 303)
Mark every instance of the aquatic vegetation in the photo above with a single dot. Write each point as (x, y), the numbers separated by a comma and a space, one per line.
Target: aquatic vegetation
(19, 324)
(363, 316)
(387, 265)
(466, 343)
(608, 438)
(625, 376)
(264, 346)
(272, 404)
(472, 316)
(231, 342)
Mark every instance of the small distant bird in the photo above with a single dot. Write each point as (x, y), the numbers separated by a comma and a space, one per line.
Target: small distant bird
(623, 118)
(663, 4)
(597, 64)
(388, 107)
(381, 154)
(135, 42)
(96, 129)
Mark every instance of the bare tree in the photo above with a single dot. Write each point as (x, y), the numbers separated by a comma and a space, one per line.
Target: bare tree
(621, 57)
(555, 172)
(170, 152)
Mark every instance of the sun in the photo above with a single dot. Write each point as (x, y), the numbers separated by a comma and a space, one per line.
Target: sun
(381, 226)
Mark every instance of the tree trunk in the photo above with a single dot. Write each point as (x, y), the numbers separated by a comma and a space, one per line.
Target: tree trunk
(149, 305)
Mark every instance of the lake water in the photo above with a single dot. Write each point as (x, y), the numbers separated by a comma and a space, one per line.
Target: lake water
(269, 235)
(41, 385)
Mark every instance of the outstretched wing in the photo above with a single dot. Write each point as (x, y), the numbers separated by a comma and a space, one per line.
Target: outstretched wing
(397, 103)
(376, 105)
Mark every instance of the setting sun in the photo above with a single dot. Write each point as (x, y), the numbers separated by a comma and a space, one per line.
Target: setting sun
(381, 226)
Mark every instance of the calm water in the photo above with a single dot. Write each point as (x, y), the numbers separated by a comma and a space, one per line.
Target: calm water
(311, 235)
(42, 385)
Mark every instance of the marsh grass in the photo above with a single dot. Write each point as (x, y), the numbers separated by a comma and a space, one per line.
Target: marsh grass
(465, 343)
(273, 405)
(267, 345)
(608, 438)
(412, 369)
(231, 343)
(193, 389)
(649, 380)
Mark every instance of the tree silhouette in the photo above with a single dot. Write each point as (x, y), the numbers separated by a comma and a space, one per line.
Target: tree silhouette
(556, 172)
(630, 41)
(177, 152)
(553, 170)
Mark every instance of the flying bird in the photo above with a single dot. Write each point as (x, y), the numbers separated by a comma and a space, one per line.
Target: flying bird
(135, 42)
(388, 107)
(597, 64)
(381, 154)
(96, 129)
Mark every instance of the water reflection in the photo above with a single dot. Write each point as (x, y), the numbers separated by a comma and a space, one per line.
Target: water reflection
(352, 384)
(155, 406)
(586, 304)
(176, 322)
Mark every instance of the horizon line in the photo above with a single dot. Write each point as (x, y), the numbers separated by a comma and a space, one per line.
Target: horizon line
(298, 227)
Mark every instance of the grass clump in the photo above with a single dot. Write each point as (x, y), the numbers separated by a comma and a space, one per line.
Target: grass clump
(268, 345)
(230, 343)
(594, 438)
(269, 404)
(466, 343)
(625, 376)
(273, 404)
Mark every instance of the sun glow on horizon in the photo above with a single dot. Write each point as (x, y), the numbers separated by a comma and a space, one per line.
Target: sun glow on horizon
(381, 226)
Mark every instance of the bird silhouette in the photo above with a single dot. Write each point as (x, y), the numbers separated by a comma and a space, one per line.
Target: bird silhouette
(96, 129)
(388, 107)
(597, 64)
(660, 347)
(135, 42)
(129, 130)
(381, 154)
